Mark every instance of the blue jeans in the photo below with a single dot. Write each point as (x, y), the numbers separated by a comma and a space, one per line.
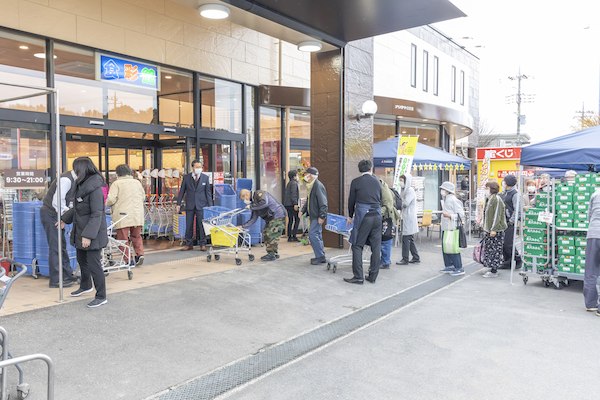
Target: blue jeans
(386, 252)
(315, 235)
(452, 260)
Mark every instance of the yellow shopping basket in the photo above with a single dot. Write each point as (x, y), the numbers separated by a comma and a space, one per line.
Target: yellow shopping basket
(224, 236)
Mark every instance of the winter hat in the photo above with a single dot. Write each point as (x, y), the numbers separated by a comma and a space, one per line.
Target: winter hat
(448, 186)
(312, 171)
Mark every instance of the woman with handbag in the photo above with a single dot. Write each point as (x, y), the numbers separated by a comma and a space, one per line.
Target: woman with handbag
(452, 213)
(494, 225)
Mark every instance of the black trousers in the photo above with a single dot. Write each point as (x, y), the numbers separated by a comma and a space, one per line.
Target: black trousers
(509, 238)
(408, 245)
(90, 263)
(49, 218)
(369, 232)
(293, 221)
(190, 215)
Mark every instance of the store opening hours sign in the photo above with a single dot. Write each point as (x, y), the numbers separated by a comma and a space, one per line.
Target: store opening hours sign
(24, 178)
(499, 153)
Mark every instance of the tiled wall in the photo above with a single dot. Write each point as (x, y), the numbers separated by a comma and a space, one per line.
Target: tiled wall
(163, 31)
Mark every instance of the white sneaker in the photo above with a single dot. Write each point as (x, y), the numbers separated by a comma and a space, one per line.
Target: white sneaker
(490, 274)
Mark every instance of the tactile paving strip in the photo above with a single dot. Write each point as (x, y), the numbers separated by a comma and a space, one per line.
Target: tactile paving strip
(229, 377)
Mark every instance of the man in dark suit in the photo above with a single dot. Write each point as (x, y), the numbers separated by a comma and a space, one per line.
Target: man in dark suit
(196, 190)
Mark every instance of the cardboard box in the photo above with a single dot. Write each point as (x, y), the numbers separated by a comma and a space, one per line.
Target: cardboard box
(563, 206)
(568, 260)
(564, 240)
(580, 270)
(563, 197)
(536, 260)
(584, 178)
(535, 236)
(580, 224)
(533, 249)
(564, 223)
(532, 222)
(565, 214)
(569, 268)
(582, 197)
(566, 250)
(581, 206)
(580, 241)
(580, 216)
(564, 188)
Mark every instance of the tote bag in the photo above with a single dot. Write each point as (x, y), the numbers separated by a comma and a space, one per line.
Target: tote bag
(450, 242)
(478, 252)
(462, 236)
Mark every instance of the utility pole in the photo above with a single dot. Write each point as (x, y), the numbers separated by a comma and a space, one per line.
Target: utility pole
(584, 114)
(519, 100)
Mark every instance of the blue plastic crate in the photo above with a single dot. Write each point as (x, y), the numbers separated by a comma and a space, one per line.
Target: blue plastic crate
(337, 223)
(28, 262)
(215, 211)
(24, 229)
(255, 229)
(243, 183)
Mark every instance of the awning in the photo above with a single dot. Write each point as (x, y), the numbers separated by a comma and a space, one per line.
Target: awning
(426, 157)
(341, 21)
(578, 151)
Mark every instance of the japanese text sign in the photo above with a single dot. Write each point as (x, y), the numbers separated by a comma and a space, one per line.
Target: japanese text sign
(499, 153)
(127, 72)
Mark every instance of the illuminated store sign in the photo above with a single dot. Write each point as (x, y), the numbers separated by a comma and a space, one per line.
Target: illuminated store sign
(127, 72)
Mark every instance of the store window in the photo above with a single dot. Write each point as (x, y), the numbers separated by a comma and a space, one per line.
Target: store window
(299, 140)
(270, 151)
(175, 99)
(22, 61)
(428, 133)
(462, 88)
(77, 149)
(24, 149)
(131, 104)
(453, 85)
(425, 71)
(436, 74)
(80, 93)
(383, 129)
(223, 164)
(221, 104)
(250, 133)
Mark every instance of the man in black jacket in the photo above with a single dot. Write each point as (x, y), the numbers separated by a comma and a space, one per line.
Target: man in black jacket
(198, 194)
(364, 209)
(316, 209)
(290, 201)
(510, 198)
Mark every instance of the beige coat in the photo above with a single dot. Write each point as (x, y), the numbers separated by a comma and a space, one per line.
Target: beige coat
(126, 195)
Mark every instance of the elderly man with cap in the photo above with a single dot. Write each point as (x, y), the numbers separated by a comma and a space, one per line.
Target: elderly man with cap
(316, 209)
(510, 197)
(264, 205)
(452, 210)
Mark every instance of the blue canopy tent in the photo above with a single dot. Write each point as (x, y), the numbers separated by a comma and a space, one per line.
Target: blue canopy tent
(578, 151)
(384, 155)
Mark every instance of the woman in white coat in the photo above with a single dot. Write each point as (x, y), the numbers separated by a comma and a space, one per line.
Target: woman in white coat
(410, 225)
(126, 197)
(451, 213)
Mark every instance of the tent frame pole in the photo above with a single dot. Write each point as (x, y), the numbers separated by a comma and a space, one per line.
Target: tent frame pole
(517, 218)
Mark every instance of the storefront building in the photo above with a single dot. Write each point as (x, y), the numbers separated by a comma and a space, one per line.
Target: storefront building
(154, 84)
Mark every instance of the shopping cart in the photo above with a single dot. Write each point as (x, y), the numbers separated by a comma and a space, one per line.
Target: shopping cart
(117, 255)
(228, 238)
(6, 283)
(339, 224)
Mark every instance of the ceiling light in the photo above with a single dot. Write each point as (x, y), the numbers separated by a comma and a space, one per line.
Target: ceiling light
(42, 55)
(403, 131)
(24, 47)
(425, 120)
(168, 77)
(310, 46)
(214, 11)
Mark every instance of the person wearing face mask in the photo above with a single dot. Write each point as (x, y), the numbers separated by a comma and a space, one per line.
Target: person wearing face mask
(452, 210)
(264, 205)
(494, 226)
(510, 197)
(316, 209)
(197, 192)
(545, 183)
(410, 225)
(529, 197)
(290, 201)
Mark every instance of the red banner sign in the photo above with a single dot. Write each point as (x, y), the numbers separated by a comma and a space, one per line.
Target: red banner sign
(500, 153)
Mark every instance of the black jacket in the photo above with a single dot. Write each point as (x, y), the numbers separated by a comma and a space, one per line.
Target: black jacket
(88, 214)
(317, 203)
(197, 194)
(365, 189)
(292, 194)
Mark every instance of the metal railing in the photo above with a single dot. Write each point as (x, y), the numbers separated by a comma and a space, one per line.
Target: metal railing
(31, 357)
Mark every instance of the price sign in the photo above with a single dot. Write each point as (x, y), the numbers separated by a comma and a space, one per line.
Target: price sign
(546, 217)
(24, 178)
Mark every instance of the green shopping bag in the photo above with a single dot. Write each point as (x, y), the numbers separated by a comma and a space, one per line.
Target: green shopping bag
(450, 242)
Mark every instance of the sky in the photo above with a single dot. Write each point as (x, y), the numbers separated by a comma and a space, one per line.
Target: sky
(556, 44)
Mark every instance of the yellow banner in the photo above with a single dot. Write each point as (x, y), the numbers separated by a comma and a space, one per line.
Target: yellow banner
(407, 146)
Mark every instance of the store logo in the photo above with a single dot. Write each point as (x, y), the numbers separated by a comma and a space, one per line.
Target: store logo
(403, 107)
(111, 69)
(127, 72)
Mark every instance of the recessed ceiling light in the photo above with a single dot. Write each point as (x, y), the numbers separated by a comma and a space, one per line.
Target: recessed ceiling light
(168, 77)
(305, 113)
(42, 55)
(214, 11)
(403, 131)
(24, 47)
(425, 120)
(400, 116)
(423, 125)
(310, 46)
